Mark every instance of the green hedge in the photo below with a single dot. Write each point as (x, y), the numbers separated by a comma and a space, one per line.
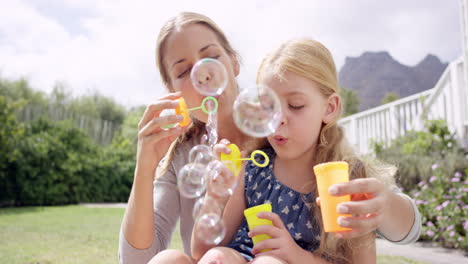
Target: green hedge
(51, 163)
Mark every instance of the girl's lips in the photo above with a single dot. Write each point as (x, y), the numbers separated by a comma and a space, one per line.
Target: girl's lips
(279, 140)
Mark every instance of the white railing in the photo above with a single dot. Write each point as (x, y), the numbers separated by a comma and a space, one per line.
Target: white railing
(447, 100)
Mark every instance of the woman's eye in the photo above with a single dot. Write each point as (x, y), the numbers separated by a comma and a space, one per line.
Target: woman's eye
(183, 74)
(295, 107)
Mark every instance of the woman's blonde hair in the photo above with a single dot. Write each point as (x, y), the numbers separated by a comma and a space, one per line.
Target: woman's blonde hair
(176, 23)
(312, 60)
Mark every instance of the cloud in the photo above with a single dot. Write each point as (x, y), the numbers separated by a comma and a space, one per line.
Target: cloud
(109, 45)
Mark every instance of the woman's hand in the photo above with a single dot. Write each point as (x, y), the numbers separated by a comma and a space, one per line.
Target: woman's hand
(281, 244)
(153, 141)
(368, 206)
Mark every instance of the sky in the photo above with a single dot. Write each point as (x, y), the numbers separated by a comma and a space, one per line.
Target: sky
(109, 45)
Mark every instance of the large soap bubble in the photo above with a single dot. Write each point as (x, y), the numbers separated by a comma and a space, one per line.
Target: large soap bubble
(210, 228)
(221, 180)
(257, 111)
(205, 205)
(209, 77)
(201, 154)
(191, 180)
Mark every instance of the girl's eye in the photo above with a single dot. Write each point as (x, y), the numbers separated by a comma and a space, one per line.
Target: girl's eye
(215, 57)
(296, 107)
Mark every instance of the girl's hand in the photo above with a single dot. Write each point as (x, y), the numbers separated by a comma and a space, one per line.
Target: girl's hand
(281, 243)
(368, 206)
(221, 178)
(221, 147)
(153, 141)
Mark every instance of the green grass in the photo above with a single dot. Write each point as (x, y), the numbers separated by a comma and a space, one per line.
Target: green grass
(396, 259)
(69, 234)
(73, 234)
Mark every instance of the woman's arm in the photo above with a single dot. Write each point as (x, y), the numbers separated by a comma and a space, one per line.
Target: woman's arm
(154, 227)
(153, 144)
(138, 221)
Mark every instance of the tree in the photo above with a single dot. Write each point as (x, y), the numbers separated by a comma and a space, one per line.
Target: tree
(11, 134)
(100, 107)
(350, 101)
(61, 94)
(390, 97)
(20, 90)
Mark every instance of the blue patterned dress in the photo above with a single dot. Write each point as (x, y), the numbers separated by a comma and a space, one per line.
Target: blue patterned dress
(293, 207)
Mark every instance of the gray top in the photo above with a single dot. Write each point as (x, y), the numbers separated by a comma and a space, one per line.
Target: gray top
(170, 206)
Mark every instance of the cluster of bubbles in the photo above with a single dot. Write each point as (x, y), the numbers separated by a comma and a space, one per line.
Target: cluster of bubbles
(256, 111)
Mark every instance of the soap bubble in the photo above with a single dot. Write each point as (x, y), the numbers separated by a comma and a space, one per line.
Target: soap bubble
(201, 154)
(206, 204)
(210, 228)
(209, 77)
(257, 111)
(191, 180)
(221, 179)
(204, 139)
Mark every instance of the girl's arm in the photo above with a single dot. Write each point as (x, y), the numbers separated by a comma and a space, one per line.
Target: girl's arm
(401, 219)
(233, 215)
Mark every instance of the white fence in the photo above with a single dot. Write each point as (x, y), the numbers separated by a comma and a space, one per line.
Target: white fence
(102, 131)
(447, 100)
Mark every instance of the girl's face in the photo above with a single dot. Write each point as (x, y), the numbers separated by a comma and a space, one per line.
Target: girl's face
(182, 50)
(305, 109)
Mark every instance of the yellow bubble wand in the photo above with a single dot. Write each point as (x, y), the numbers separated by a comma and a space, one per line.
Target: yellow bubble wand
(182, 109)
(235, 158)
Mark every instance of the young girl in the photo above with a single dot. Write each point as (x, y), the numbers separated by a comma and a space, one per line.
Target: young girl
(303, 75)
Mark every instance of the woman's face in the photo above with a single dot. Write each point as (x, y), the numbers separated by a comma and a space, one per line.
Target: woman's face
(182, 50)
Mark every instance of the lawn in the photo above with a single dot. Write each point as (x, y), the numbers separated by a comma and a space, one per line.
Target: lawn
(72, 234)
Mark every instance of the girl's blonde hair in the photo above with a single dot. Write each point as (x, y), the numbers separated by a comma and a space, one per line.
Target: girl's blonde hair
(312, 60)
(176, 24)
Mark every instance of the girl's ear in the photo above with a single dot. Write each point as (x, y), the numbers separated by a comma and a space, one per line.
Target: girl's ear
(333, 108)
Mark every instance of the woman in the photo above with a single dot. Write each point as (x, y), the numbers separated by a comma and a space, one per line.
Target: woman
(154, 209)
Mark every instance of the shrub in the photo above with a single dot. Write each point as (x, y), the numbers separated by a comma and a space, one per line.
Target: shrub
(443, 203)
(432, 168)
(59, 164)
(415, 153)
